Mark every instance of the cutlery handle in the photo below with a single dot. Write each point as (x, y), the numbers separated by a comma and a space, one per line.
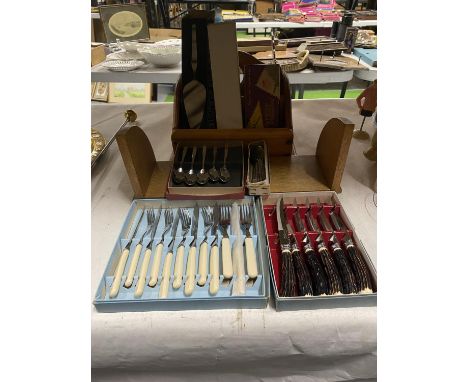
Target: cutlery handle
(142, 276)
(133, 266)
(179, 267)
(251, 258)
(190, 282)
(118, 274)
(155, 267)
(227, 258)
(214, 270)
(203, 263)
(163, 292)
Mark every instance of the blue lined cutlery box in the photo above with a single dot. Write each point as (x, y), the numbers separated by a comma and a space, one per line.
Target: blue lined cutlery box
(303, 199)
(230, 294)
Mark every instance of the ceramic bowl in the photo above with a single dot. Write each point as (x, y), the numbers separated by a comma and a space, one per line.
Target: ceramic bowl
(129, 46)
(161, 55)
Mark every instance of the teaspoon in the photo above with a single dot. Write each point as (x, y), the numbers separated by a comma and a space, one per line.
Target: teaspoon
(212, 172)
(224, 174)
(179, 175)
(191, 177)
(203, 176)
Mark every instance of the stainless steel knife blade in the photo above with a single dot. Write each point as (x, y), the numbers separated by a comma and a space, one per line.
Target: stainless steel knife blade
(281, 218)
(174, 231)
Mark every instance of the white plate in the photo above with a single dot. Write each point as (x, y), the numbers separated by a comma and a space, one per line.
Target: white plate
(122, 65)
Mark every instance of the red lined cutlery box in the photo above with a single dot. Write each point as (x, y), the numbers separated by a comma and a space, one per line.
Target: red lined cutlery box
(327, 199)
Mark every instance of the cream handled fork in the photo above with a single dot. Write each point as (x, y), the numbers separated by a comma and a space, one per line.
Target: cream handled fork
(115, 287)
(154, 272)
(246, 221)
(190, 269)
(179, 261)
(147, 257)
(164, 290)
(207, 213)
(226, 242)
(138, 248)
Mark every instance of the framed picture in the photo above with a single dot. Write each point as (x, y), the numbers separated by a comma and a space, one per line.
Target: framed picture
(130, 93)
(93, 87)
(101, 92)
(124, 22)
(350, 38)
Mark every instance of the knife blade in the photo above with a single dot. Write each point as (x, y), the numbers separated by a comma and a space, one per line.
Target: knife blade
(319, 280)
(288, 277)
(164, 290)
(115, 287)
(190, 269)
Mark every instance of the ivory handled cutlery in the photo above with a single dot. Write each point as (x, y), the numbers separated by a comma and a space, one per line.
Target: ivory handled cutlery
(137, 251)
(191, 261)
(147, 256)
(166, 275)
(154, 272)
(179, 261)
(225, 217)
(207, 213)
(251, 257)
(115, 287)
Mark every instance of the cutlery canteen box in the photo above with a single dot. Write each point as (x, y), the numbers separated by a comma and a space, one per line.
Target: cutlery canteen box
(256, 291)
(328, 198)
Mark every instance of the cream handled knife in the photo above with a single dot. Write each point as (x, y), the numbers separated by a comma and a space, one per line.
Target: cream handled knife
(164, 290)
(154, 272)
(179, 261)
(190, 269)
(138, 248)
(146, 259)
(115, 287)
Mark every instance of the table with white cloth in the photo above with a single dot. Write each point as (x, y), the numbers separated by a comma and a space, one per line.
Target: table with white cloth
(240, 344)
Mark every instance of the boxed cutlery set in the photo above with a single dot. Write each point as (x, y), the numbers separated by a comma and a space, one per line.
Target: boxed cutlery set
(194, 240)
(316, 258)
(173, 255)
(206, 171)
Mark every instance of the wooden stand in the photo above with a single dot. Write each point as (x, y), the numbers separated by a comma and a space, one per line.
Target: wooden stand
(320, 172)
(279, 140)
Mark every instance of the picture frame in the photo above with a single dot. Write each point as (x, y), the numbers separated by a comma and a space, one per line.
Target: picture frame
(101, 92)
(93, 88)
(350, 38)
(129, 93)
(124, 22)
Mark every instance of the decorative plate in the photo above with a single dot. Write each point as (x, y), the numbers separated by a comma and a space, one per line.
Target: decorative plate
(122, 65)
(97, 143)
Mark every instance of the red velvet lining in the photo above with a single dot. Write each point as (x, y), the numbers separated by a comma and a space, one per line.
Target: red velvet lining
(272, 231)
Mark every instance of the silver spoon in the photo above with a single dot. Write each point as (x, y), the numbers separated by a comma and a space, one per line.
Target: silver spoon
(191, 177)
(212, 172)
(203, 176)
(224, 174)
(179, 175)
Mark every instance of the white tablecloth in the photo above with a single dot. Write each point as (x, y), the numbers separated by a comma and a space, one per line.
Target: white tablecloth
(230, 345)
